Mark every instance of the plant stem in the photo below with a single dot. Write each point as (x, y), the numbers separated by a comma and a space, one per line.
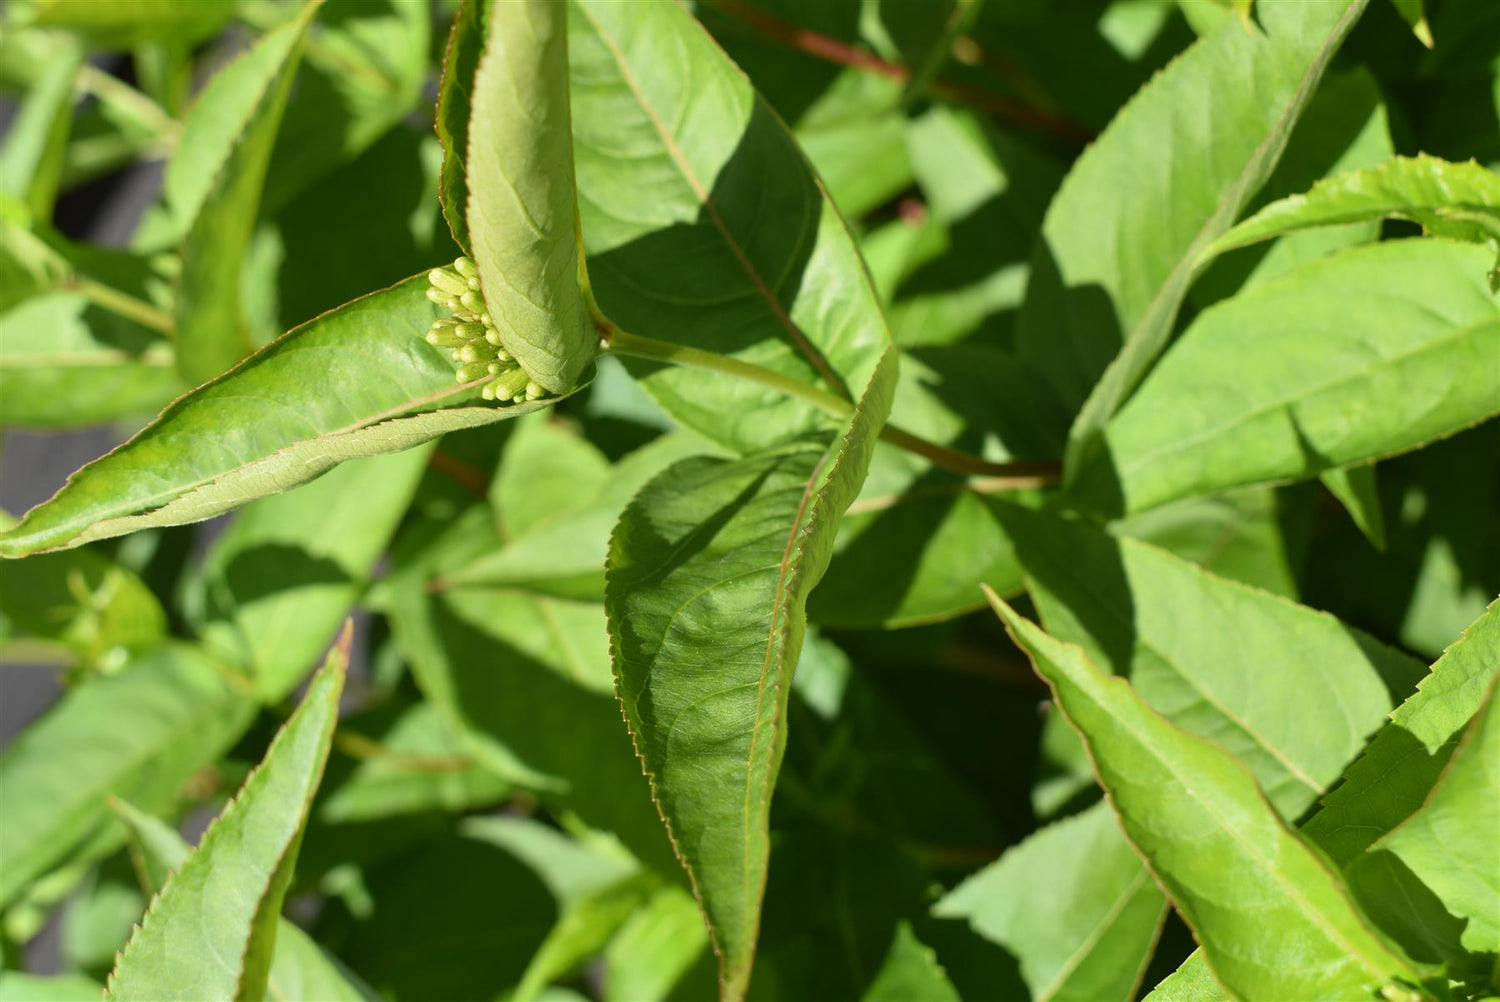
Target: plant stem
(124, 304)
(120, 95)
(1014, 476)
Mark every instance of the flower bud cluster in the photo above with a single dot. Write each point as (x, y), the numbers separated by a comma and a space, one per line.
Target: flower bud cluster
(470, 338)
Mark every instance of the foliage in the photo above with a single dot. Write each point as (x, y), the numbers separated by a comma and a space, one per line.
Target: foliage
(888, 501)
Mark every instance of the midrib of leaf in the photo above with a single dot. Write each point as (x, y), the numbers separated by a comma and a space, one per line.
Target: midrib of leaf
(1076, 958)
(775, 654)
(1120, 615)
(1138, 348)
(1457, 334)
(1319, 921)
(812, 355)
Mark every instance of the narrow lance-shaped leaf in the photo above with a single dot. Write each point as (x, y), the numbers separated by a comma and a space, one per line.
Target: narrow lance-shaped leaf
(300, 969)
(1365, 354)
(523, 208)
(32, 160)
(1190, 149)
(213, 186)
(1433, 882)
(1391, 778)
(357, 381)
(1273, 918)
(709, 572)
(460, 60)
(1456, 200)
(185, 712)
(679, 159)
(211, 930)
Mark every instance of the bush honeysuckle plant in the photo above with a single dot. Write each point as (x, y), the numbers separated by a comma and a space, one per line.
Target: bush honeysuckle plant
(755, 499)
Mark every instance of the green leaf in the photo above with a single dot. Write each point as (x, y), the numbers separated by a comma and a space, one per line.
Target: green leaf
(1393, 776)
(18, 987)
(1274, 920)
(531, 707)
(1365, 354)
(425, 771)
(460, 60)
(184, 711)
(210, 931)
(1414, 14)
(69, 364)
(1074, 906)
(83, 601)
(547, 471)
(27, 264)
(711, 565)
(358, 381)
(362, 73)
(563, 553)
(1355, 488)
(119, 24)
(1431, 882)
(911, 971)
(1256, 535)
(1227, 677)
(1192, 982)
(1345, 127)
(523, 207)
(31, 163)
(1191, 149)
(213, 186)
(277, 584)
(1460, 201)
(300, 969)
(1386, 784)
(678, 159)
(654, 948)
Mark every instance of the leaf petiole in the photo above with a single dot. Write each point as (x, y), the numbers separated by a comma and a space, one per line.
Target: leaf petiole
(1014, 476)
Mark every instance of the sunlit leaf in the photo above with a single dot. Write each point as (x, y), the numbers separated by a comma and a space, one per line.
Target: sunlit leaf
(709, 572)
(210, 931)
(1274, 920)
(358, 381)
